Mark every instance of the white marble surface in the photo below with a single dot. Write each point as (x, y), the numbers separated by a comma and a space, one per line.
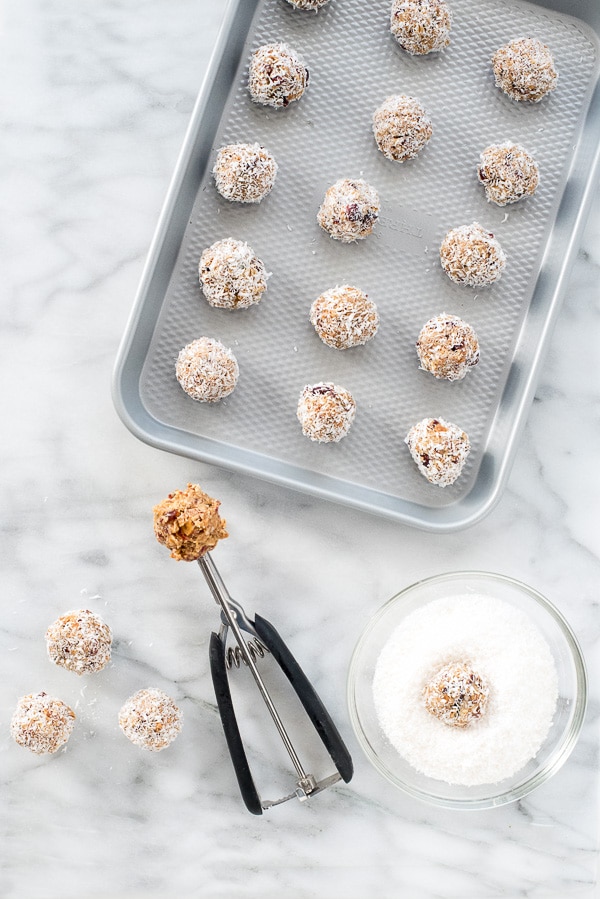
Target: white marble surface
(94, 102)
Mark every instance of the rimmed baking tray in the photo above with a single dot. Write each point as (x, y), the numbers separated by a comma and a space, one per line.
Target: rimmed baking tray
(354, 65)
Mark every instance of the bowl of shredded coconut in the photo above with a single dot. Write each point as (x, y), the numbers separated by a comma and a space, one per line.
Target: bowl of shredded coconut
(467, 690)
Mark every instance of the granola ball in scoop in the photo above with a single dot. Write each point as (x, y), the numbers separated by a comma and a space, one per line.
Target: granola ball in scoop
(508, 173)
(524, 69)
(421, 26)
(188, 523)
(349, 210)
(206, 370)
(150, 719)
(439, 449)
(277, 76)
(401, 128)
(42, 723)
(325, 412)
(79, 641)
(231, 275)
(244, 173)
(447, 347)
(471, 255)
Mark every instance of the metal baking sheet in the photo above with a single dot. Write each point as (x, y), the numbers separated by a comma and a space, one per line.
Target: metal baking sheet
(354, 65)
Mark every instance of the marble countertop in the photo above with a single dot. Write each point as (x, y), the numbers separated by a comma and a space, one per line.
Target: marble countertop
(94, 103)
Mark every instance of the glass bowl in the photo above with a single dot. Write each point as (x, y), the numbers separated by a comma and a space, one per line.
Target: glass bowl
(568, 717)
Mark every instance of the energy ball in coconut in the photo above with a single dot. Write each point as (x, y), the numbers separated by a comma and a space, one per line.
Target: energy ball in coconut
(508, 173)
(41, 723)
(447, 347)
(456, 695)
(401, 127)
(231, 275)
(524, 69)
(207, 370)
(244, 173)
(79, 641)
(307, 4)
(150, 719)
(471, 255)
(344, 317)
(421, 26)
(188, 523)
(325, 412)
(439, 448)
(349, 210)
(277, 76)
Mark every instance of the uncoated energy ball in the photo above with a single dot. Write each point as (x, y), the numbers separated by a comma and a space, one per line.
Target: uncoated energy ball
(421, 26)
(188, 523)
(244, 173)
(79, 641)
(439, 449)
(447, 347)
(349, 210)
(277, 75)
(508, 173)
(524, 69)
(471, 255)
(401, 127)
(231, 274)
(41, 723)
(325, 412)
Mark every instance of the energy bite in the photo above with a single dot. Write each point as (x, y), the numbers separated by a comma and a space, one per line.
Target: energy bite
(325, 412)
(524, 69)
(471, 255)
(42, 723)
(344, 317)
(150, 719)
(206, 370)
(401, 127)
(244, 173)
(308, 4)
(231, 274)
(456, 695)
(79, 641)
(277, 76)
(439, 448)
(349, 210)
(421, 26)
(447, 347)
(188, 523)
(508, 173)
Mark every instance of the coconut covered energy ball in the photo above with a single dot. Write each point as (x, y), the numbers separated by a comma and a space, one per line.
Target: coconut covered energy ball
(206, 370)
(473, 256)
(508, 173)
(349, 210)
(325, 412)
(447, 347)
(439, 448)
(307, 4)
(457, 695)
(79, 641)
(150, 719)
(244, 173)
(188, 523)
(344, 317)
(421, 26)
(277, 76)
(401, 127)
(42, 723)
(524, 69)
(231, 274)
